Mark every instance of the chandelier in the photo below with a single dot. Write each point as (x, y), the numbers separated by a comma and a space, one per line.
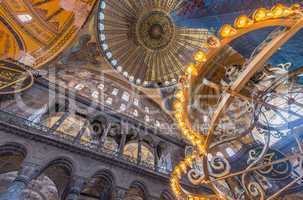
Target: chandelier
(246, 87)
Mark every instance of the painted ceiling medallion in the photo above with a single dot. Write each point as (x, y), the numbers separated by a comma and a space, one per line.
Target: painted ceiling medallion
(14, 78)
(155, 31)
(141, 41)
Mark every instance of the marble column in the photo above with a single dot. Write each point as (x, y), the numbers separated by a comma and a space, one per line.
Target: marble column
(105, 134)
(139, 159)
(76, 186)
(28, 172)
(124, 132)
(119, 193)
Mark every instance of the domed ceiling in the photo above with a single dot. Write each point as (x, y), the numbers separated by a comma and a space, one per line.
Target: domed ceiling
(35, 31)
(141, 40)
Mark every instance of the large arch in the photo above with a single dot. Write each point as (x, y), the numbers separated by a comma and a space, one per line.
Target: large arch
(51, 181)
(12, 156)
(100, 186)
(60, 171)
(137, 191)
(166, 195)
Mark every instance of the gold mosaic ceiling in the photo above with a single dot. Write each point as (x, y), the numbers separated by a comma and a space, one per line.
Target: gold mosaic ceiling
(36, 31)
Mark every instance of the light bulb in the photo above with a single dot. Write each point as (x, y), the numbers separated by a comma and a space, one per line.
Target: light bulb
(200, 56)
(243, 21)
(260, 15)
(227, 31)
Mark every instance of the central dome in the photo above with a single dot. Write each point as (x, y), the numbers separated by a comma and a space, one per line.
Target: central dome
(141, 41)
(155, 30)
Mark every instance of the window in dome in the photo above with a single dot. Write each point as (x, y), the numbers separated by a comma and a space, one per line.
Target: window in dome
(115, 92)
(25, 18)
(109, 101)
(125, 96)
(136, 102)
(122, 107)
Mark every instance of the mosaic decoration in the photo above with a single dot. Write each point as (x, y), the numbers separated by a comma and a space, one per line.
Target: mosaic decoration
(131, 150)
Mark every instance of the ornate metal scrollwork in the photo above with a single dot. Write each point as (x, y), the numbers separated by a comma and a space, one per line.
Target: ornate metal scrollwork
(256, 190)
(219, 166)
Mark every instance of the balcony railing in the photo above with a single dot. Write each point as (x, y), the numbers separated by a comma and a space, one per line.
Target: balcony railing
(37, 128)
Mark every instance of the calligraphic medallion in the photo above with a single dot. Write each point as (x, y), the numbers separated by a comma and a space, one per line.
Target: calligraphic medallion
(14, 78)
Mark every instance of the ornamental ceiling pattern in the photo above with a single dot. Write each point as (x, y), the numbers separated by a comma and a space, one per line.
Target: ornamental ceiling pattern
(141, 41)
(36, 31)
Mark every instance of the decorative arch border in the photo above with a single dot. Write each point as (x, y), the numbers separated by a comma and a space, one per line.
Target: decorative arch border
(107, 175)
(167, 195)
(142, 186)
(14, 147)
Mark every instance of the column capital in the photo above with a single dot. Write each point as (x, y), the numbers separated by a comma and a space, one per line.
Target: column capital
(119, 193)
(76, 185)
(28, 172)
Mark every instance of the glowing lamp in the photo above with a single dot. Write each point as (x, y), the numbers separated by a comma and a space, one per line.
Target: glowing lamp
(180, 95)
(191, 70)
(177, 105)
(199, 141)
(278, 11)
(243, 21)
(288, 11)
(202, 149)
(260, 14)
(191, 137)
(227, 31)
(183, 167)
(200, 56)
(181, 125)
(188, 160)
(295, 6)
(186, 132)
(178, 116)
(178, 171)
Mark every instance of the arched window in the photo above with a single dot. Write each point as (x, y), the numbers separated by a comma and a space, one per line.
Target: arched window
(100, 186)
(40, 188)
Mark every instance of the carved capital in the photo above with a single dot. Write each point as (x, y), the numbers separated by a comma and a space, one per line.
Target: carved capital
(28, 172)
(120, 193)
(75, 188)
